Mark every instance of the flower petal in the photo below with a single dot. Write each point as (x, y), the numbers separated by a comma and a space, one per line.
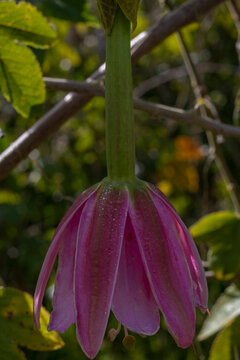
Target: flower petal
(99, 245)
(53, 251)
(165, 265)
(63, 314)
(191, 253)
(133, 303)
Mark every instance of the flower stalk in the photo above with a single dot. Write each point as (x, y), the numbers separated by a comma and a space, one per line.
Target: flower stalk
(120, 144)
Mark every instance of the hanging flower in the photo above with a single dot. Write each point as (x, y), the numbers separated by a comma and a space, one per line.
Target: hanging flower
(123, 247)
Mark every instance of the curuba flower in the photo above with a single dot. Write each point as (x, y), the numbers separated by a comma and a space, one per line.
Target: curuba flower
(123, 247)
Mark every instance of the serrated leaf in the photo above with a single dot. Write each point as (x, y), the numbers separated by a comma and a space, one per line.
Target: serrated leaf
(223, 312)
(20, 76)
(16, 323)
(23, 22)
(222, 231)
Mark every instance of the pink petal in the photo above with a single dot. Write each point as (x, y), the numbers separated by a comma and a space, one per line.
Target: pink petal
(133, 303)
(53, 251)
(165, 265)
(191, 253)
(98, 253)
(63, 314)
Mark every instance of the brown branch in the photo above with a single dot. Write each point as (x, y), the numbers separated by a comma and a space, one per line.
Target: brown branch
(156, 110)
(189, 12)
(92, 88)
(207, 106)
(191, 117)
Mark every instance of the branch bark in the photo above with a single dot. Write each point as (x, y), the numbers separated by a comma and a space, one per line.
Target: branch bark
(157, 111)
(189, 12)
(191, 117)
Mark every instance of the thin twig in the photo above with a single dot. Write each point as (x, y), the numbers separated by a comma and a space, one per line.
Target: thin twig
(235, 12)
(93, 87)
(206, 105)
(191, 117)
(157, 111)
(181, 72)
(189, 12)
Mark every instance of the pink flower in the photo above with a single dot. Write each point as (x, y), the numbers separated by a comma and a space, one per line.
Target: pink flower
(123, 248)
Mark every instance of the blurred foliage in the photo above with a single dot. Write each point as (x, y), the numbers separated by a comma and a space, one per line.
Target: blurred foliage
(176, 157)
(221, 231)
(16, 312)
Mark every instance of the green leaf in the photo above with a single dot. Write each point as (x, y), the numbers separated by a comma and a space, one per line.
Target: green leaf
(23, 22)
(224, 311)
(227, 342)
(16, 323)
(10, 352)
(213, 225)
(222, 345)
(20, 74)
(222, 231)
(70, 10)
(107, 9)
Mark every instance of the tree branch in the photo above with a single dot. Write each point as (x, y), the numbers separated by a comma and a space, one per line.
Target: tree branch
(191, 117)
(189, 12)
(205, 107)
(156, 110)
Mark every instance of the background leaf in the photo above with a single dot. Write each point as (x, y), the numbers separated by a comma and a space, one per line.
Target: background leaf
(222, 345)
(16, 325)
(227, 342)
(70, 10)
(224, 311)
(221, 230)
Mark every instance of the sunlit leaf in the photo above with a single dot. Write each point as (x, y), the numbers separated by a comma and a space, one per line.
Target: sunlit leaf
(227, 343)
(224, 311)
(221, 231)
(16, 325)
(23, 22)
(222, 345)
(20, 74)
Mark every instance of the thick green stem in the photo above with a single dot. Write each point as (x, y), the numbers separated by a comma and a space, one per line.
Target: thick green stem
(120, 144)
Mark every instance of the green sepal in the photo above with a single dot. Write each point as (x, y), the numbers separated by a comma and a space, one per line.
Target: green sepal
(130, 9)
(107, 9)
